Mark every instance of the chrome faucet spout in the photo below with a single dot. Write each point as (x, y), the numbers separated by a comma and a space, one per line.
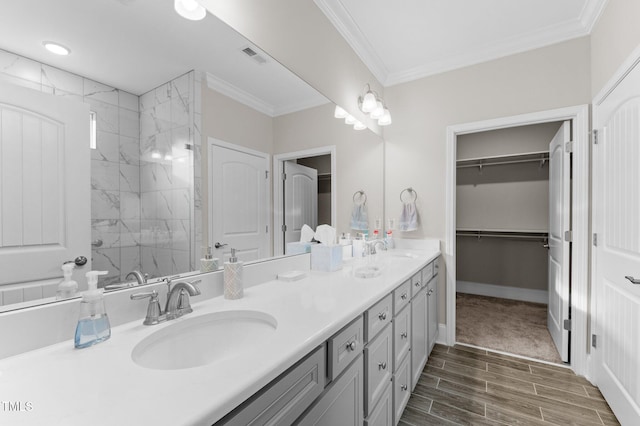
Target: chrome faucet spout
(139, 276)
(178, 298)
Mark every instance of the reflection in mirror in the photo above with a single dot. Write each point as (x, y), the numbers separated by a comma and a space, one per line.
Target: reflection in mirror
(161, 102)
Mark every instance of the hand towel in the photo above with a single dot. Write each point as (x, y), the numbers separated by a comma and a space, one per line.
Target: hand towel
(409, 217)
(359, 217)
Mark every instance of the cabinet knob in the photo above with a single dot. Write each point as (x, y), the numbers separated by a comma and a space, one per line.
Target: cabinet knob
(404, 296)
(351, 346)
(403, 335)
(417, 284)
(382, 316)
(403, 388)
(382, 365)
(430, 291)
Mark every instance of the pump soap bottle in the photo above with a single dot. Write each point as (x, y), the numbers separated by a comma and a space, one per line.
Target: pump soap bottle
(67, 287)
(93, 324)
(233, 277)
(208, 263)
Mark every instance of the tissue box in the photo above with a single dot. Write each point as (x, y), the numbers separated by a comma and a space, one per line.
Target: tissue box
(326, 258)
(299, 247)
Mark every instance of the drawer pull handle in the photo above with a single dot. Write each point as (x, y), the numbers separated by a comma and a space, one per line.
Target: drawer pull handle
(382, 316)
(403, 387)
(430, 292)
(417, 284)
(404, 296)
(351, 346)
(382, 366)
(403, 335)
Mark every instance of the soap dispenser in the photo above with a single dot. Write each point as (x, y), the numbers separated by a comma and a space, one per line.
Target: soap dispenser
(233, 277)
(93, 324)
(208, 263)
(67, 287)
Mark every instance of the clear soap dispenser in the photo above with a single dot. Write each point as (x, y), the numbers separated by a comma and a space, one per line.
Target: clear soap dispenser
(67, 287)
(93, 324)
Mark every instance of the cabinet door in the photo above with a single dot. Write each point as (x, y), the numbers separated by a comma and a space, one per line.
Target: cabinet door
(341, 403)
(419, 342)
(378, 362)
(401, 391)
(382, 415)
(401, 336)
(432, 297)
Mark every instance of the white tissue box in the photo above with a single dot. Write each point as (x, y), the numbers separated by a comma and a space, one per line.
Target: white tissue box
(299, 247)
(326, 258)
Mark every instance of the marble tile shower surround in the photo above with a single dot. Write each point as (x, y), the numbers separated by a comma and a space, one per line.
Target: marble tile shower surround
(118, 173)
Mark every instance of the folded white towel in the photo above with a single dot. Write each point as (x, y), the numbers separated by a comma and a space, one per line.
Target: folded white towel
(359, 217)
(409, 217)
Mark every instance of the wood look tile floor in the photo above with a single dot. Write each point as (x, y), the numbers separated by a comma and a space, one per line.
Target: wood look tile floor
(462, 385)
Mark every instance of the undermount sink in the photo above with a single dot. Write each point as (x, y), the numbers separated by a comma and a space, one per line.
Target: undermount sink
(404, 255)
(204, 339)
(367, 271)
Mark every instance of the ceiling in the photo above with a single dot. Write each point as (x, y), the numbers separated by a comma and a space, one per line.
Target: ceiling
(405, 40)
(137, 45)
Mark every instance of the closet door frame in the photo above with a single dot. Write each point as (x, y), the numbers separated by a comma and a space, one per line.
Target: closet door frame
(579, 116)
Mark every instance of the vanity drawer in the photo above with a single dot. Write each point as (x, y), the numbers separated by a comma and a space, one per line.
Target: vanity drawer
(382, 415)
(344, 347)
(378, 364)
(377, 317)
(401, 389)
(436, 266)
(416, 283)
(401, 296)
(285, 398)
(401, 337)
(427, 273)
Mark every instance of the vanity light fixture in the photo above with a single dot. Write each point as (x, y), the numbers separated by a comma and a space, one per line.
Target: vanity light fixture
(190, 9)
(339, 112)
(350, 120)
(56, 48)
(370, 103)
(155, 154)
(359, 126)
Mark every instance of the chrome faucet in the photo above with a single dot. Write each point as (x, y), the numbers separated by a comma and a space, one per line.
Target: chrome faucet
(373, 244)
(177, 301)
(141, 278)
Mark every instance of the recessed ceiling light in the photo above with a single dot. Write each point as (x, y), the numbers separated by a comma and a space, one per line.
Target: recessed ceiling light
(56, 48)
(190, 9)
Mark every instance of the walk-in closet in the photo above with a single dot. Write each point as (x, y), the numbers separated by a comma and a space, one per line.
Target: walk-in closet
(502, 240)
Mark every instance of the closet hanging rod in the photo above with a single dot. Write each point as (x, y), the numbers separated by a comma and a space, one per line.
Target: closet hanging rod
(542, 161)
(506, 234)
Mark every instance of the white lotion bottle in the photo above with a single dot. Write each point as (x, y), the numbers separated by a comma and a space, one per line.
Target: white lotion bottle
(67, 287)
(233, 277)
(208, 263)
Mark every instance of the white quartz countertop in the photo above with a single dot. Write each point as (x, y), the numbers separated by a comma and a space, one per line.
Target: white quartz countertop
(101, 385)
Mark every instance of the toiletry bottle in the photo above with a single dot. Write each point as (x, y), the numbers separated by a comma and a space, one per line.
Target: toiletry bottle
(389, 238)
(233, 277)
(208, 263)
(67, 287)
(93, 324)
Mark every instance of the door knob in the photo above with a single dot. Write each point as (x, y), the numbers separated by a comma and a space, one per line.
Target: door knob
(79, 261)
(218, 245)
(633, 280)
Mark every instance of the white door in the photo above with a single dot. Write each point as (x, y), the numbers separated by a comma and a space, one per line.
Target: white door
(559, 247)
(45, 207)
(300, 199)
(617, 254)
(238, 202)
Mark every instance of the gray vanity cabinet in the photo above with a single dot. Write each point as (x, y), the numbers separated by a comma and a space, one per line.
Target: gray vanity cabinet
(432, 308)
(378, 361)
(382, 415)
(341, 403)
(419, 337)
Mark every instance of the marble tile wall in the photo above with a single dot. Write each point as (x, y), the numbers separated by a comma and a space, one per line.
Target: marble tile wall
(115, 164)
(168, 148)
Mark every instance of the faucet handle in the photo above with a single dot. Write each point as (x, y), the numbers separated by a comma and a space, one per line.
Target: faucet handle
(154, 311)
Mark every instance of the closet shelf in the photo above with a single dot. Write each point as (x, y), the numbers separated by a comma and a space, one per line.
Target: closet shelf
(540, 156)
(494, 233)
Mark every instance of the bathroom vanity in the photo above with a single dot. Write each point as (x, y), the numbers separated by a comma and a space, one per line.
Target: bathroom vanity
(329, 346)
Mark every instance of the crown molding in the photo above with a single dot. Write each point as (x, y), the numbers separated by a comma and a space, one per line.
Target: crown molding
(237, 94)
(591, 13)
(338, 15)
(547, 36)
(310, 103)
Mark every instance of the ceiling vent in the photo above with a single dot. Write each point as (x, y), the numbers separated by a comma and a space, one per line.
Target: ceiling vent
(254, 55)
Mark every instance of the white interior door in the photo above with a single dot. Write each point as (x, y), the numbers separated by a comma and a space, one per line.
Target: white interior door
(559, 247)
(300, 199)
(617, 254)
(45, 207)
(238, 202)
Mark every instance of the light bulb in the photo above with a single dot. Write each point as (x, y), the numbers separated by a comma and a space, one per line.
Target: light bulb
(359, 126)
(350, 119)
(385, 120)
(339, 112)
(378, 112)
(190, 9)
(368, 102)
(155, 154)
(168, 157)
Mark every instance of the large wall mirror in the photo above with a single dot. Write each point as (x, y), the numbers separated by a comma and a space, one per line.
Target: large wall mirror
(182, 109)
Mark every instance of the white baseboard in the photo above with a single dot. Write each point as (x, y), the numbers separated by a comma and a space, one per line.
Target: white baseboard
(504, 292)
(442, 334)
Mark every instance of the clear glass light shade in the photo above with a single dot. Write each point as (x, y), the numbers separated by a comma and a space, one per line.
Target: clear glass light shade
(368, 102)
(155, 154)
(350, 119)
(359, 126)
(339, 112)
(190, 9)
(378, 112)
(385, 120)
